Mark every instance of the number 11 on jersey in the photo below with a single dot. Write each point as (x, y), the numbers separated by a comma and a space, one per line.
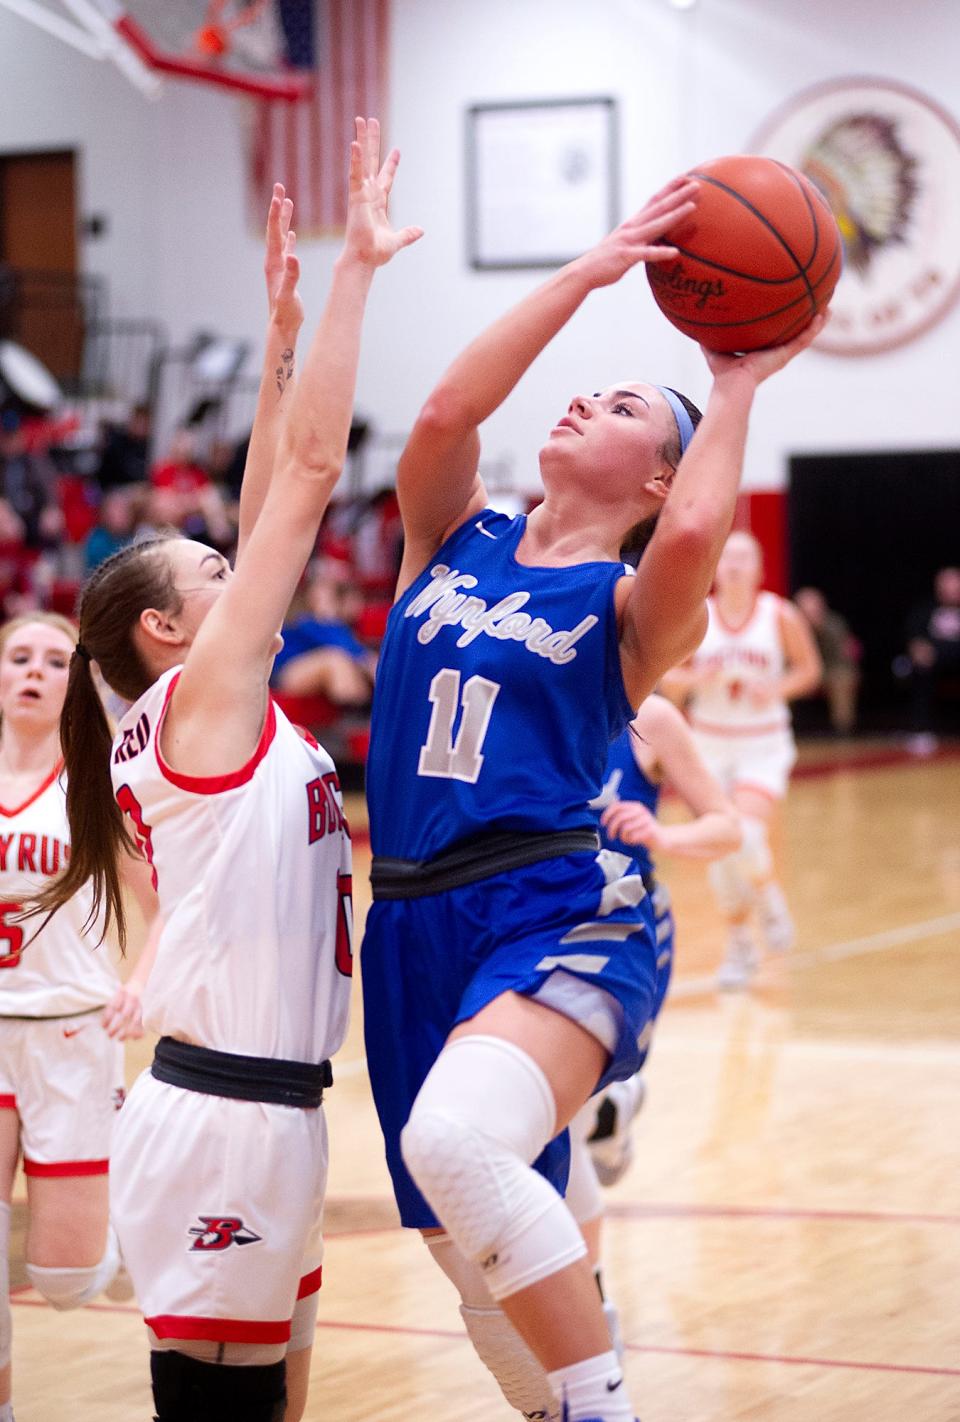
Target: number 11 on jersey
(459, 759)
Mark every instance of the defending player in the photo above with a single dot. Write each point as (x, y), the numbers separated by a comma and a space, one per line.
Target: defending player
(757, 656)
(657, 747)
(220, 1158)
(506, 975)
(61, 1075)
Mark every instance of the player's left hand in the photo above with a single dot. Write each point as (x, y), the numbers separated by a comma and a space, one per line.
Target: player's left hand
(370, 237)
(281, 268)
(633, 823)
(760, 365)
(122, 1018)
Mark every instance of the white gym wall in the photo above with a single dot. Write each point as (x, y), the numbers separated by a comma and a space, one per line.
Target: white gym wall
(169, 177)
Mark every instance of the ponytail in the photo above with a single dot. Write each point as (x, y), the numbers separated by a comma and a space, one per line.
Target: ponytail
(135, 578)
(98, 834)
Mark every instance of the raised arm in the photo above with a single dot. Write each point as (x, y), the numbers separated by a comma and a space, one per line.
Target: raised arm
(281, 270)
(665, 617)
(218, 708)
(438, 483)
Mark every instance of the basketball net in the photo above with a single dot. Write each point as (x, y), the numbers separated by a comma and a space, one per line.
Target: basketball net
(214, 39)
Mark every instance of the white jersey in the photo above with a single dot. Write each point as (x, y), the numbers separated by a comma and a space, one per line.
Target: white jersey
(58, 970)
(738, 658)
(253, 874)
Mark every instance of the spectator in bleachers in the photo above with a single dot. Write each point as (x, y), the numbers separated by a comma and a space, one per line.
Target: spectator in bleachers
(378, 541)
(932, 657)
(155, 511)
(28, 480)
(16, 559)
(321, 656)
(113, 530)
(181, 470)
(125, 451)
(196, 504)
(840, 654)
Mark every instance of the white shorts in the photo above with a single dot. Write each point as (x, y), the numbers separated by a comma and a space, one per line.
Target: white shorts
(759, 763)
(64, 1078)
(218, 1205)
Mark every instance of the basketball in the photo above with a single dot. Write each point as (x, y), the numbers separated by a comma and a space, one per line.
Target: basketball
(758, 258)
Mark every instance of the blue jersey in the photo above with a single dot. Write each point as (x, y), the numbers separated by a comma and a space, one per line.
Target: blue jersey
(498, 693)
(625, 780)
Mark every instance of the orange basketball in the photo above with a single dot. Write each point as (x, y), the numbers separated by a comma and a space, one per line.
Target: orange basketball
(758, 259)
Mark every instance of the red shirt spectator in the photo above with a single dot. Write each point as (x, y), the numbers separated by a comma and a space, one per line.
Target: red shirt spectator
(180, 471)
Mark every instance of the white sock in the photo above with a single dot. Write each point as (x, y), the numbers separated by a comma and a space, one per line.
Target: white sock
(594, 1390)
(6, 1412)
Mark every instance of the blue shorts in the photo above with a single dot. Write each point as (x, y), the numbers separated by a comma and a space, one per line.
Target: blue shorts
(664, 929)
(429, 963)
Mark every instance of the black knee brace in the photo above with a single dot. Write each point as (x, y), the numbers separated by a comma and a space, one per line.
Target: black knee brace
(186, 1390)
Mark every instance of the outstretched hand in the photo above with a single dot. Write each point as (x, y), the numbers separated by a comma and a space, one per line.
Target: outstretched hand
(369, 237)
(760, 365)
(281, 267)
(639, 239)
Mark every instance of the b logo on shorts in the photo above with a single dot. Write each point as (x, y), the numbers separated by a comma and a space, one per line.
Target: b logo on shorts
(216, 1232)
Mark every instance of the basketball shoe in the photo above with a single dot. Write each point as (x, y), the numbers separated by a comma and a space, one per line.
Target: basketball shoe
(776, 923)
(611, 1143)
(740, 964)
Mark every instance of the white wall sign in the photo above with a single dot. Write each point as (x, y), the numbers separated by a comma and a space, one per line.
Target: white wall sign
(888, 161)
(541, 181)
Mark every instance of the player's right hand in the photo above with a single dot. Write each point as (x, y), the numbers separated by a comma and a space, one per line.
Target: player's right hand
(639, 238)
(122, 1018)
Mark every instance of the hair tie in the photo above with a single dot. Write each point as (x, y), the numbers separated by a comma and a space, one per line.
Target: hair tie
(81, 651)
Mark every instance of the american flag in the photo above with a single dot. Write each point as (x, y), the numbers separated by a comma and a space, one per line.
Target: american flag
(303, 144)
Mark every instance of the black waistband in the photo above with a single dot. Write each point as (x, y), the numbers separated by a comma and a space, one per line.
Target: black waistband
(269, 1079)
(479, 857)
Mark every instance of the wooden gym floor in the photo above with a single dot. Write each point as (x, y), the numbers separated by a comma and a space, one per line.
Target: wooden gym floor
(784, 1246)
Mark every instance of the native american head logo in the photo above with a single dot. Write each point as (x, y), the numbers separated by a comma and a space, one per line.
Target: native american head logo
(870, 181)
(887, 159)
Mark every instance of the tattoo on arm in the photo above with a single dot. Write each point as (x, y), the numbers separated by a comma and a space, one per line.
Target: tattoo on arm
(284, 371)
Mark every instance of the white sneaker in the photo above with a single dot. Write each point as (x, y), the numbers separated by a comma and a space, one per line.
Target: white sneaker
(776, 922)
(740, 964)
(612, 1314)
(611, 1143)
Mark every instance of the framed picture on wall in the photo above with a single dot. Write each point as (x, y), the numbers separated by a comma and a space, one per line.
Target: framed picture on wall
(542, 181)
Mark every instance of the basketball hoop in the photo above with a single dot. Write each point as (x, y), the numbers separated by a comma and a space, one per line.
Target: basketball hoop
(214, 38)
(263, 48)
(258, 47)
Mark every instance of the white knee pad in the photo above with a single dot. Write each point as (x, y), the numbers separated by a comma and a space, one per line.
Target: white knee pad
(733, 890)
(497, 1343)
(584, 1197)
(6, 1324)
(755, 859)
(71, 1288)
(483, 1114)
